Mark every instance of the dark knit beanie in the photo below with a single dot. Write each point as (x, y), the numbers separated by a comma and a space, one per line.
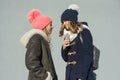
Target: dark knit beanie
(70, 14)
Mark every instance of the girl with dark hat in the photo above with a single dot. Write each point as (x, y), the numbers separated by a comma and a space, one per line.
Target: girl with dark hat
(77, 48)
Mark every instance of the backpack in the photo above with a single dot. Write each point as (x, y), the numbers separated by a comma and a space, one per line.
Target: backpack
(96, 56)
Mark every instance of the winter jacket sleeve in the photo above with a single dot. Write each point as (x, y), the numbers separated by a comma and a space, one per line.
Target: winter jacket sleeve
(33, 57)
(87, 41)
(64, 53)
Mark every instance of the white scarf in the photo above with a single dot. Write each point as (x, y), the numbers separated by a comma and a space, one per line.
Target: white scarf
(71, 35)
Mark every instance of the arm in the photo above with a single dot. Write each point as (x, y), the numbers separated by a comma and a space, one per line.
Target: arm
(34, 56)
(65, 47)
(87, 41)
(64, 53)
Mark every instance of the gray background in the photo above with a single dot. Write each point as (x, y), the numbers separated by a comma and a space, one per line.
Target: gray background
(103, 17)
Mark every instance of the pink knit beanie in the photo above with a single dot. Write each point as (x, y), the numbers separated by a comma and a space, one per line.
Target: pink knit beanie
(38, 20)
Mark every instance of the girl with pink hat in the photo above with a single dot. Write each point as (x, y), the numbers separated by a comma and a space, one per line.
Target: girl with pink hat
(38, 57)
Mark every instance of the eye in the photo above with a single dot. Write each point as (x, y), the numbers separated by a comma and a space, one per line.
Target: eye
(50, 24)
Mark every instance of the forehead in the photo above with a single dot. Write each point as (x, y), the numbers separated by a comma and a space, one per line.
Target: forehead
(66, 21)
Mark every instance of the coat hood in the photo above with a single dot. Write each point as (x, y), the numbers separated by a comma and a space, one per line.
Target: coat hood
(26, 37)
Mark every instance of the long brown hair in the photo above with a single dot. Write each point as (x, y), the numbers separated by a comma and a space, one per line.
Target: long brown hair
(73, 27)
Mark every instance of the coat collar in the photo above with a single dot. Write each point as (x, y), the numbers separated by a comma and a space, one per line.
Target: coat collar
(26, 37)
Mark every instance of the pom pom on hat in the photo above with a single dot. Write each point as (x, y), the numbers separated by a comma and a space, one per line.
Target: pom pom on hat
(33, 14)
(38, 20)
(71, 13)
(73, 7)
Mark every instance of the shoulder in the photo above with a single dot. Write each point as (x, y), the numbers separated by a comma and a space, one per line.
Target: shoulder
(86, 33)
(85, 30)
(33, 35)
(36, 38)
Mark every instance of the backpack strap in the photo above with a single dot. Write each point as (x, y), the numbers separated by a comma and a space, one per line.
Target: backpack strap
(80, 36)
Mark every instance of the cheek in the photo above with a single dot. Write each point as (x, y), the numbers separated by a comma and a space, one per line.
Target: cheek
(50, 29)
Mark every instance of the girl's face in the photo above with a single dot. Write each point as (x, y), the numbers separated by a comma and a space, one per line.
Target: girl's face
(66, 23)
(49, 28)
(70, 26)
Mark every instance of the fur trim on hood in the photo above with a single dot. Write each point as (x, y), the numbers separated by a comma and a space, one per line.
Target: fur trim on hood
(26, 37)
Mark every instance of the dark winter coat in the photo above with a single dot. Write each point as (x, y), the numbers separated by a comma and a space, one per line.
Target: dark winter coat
(82, 55)
(38, 58)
